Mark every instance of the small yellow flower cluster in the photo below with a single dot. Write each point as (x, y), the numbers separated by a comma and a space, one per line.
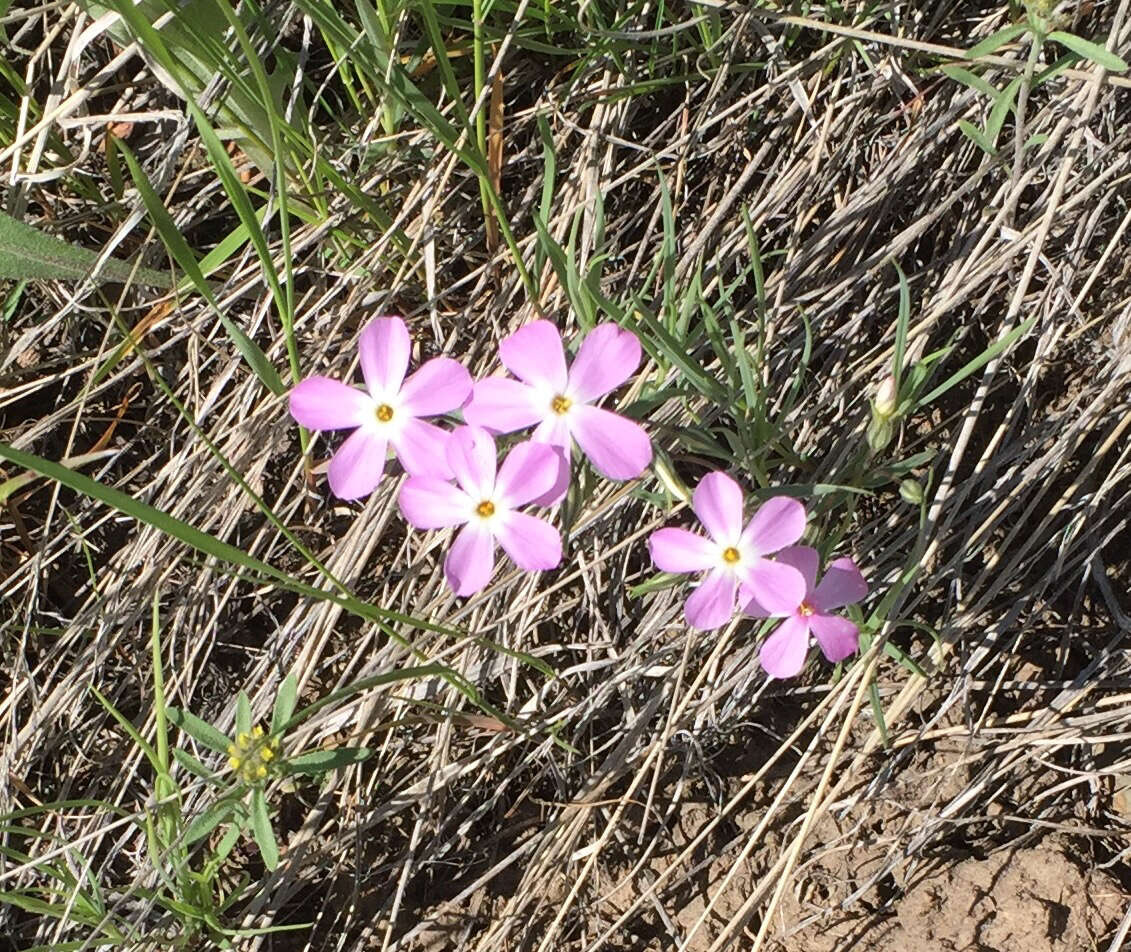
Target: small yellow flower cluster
(251, 754)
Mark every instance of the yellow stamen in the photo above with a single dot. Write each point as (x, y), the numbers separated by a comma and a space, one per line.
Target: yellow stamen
(234, 763)
(257, 731)
(384, 413)
(730, 555)
(805, 609)
(266, 754)
(561, 404)
(486, 509)
(261, 772)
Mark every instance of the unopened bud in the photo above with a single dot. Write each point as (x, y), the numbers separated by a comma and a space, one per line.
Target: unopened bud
(886, 396)
(912, 492)
(879, 433)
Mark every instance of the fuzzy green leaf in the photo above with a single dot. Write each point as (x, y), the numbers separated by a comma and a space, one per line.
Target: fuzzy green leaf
(199, 730)
(1090, 51)
(320, 761)
(261, 828)
(285, 702)
(996, 40)
(27, 252)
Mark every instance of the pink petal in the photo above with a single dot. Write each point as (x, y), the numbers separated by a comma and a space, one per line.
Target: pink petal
(430, 503)
(777, 523)
(783, 653)
(617, 447)
(534, 354)
(554, 432)
(319, 403)
(677, 550)
(422, 448)
(471, 559)
(607, 358)
(805, 559)
(532, 544)
(385, 349)
(471, 455)
(842, 585)
(750, 605)
(529, 471)
(502, 405)
(777, 588)
(439, 386)
(838, 637)
(717, 502)
(711, 605)
(356, 468)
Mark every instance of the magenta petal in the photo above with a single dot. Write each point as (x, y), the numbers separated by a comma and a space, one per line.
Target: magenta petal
(778, 588)
(532, 544)
(430, 503)
(439, 386)
(534, 353)
(502, 405)
(356, 468)
(677, 550)
(471, 559)
(838, 637)
(711, 605)
(717, 502)
(607, 358)
(471, 455)
(777, 523)
(422, 448)
(529, 471)
(385, 348)
(842, 585)
(805, 559)
(319, 403)
(617, 447)
(783, 653)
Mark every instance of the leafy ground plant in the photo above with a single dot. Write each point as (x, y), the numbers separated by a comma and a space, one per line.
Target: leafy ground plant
(855, 260)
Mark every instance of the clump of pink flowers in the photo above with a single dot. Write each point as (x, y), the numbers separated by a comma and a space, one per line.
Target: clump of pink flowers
(454, 479)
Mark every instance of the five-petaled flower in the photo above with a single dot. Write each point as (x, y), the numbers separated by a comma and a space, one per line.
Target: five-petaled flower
(484, 503)
(783, 653)
(560, 401)
(388, 414)
(733, 556)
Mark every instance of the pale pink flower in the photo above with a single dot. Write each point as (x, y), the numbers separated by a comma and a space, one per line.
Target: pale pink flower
(783, 653)
(387, 413)
(486, 504)
(559, 402)
(732, 556)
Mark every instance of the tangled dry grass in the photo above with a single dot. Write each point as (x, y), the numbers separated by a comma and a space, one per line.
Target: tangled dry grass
(700, 807)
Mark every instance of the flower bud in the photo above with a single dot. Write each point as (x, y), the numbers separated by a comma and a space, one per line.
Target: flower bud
(879, 433)
(912, 492)
(886, 397)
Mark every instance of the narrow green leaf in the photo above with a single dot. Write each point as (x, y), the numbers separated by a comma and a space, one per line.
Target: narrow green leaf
(261, 828)
(211, 818)
(285, 702)
(1001, 108)
(192, 765)
(243, 714)
(996, 40)
(199, 730)
(320, 761)
(182, 254)
(27, 252)
(975, 134)
(1089, 50)
(967, 78)
(980, 361)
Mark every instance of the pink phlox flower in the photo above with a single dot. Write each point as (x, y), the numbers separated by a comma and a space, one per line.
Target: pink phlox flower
(387, 413)
(485, 504)
(559, 403)
(783, 653)
(732, 555)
